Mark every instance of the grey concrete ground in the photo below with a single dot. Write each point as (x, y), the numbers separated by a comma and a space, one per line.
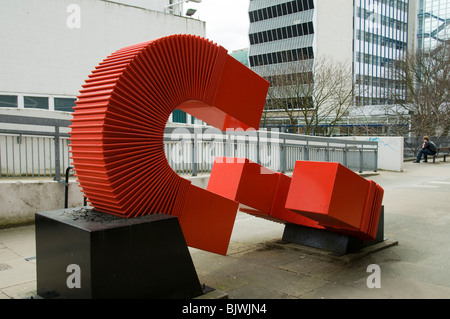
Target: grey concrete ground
(417, 215)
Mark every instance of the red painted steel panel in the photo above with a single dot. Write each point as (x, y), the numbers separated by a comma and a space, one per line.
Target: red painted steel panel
(259, 191)
(336, 197)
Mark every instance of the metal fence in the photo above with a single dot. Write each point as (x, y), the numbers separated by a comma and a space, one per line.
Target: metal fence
(31, 153)
(193, 150)
(26, 151)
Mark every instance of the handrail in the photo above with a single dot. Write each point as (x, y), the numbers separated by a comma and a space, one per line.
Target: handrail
(194, 141)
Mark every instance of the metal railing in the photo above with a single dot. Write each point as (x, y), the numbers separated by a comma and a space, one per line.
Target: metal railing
(192, 150)
(31, 153)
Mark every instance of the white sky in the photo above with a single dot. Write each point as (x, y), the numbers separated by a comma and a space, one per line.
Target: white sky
(227, 21)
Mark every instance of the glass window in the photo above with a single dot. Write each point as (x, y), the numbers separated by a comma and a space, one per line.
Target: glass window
(36, 102)
(252, 63)
(8, 101)
(64, 104)
(289, 7)
(274, 57)
(310, 27)
(305, 28)
(289, 31)
(269, 12)
(178, 116)
(274, 34)
(294, 31)
(305, 4)
(279, 36)
(269, 58)
(280, 13)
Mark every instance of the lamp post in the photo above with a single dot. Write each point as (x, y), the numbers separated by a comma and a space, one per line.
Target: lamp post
(190, 12)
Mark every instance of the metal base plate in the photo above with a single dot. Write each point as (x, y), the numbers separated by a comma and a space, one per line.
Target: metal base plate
(335, 242)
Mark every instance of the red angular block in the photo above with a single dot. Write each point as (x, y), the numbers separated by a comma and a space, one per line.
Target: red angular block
(336, 197)
(259, 191)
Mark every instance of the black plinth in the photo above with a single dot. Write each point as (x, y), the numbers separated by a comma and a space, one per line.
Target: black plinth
(113, 257)
(332, 241)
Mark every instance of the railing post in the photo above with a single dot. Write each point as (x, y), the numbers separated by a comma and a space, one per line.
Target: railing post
(57, 155)
(307, 151)
(258, 159)
(361, 163)
(194, 154)
(66, 187)
(345, 155)
(283, 157)
(376, 159)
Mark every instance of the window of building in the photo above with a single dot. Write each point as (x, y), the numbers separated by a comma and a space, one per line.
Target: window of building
(8, 101)
(64, 104)
(178, 116)
(36, 102)
(289, 31)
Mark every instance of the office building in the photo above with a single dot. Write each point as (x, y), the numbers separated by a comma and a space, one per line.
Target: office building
(366, 35)
(433, 23)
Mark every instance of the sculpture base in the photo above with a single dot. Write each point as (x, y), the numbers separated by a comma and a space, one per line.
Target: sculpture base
(81, 253)
(337, 243)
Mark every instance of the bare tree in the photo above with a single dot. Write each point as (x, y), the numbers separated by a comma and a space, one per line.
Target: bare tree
(314, 94)
(424, 76)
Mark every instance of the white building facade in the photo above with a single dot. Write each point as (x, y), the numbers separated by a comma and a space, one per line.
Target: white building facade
(50, 47)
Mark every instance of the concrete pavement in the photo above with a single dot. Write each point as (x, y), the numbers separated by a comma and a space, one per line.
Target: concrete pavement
(417, 216)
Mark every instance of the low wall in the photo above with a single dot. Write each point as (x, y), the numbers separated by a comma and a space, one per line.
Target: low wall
(21, 199)
(390, 151)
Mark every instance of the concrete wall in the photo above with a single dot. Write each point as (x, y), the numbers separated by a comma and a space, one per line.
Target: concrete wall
(50, 47)
(390, 151)
(21, 199)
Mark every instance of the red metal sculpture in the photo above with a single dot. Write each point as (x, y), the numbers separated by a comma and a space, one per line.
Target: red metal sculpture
(118, 127)
(117, 148)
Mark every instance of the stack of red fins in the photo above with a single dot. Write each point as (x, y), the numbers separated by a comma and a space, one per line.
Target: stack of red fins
(118, 128)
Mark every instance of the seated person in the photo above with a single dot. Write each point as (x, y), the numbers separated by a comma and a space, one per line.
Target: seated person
(428, 148)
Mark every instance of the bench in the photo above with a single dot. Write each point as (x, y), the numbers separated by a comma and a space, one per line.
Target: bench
(444, 151)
